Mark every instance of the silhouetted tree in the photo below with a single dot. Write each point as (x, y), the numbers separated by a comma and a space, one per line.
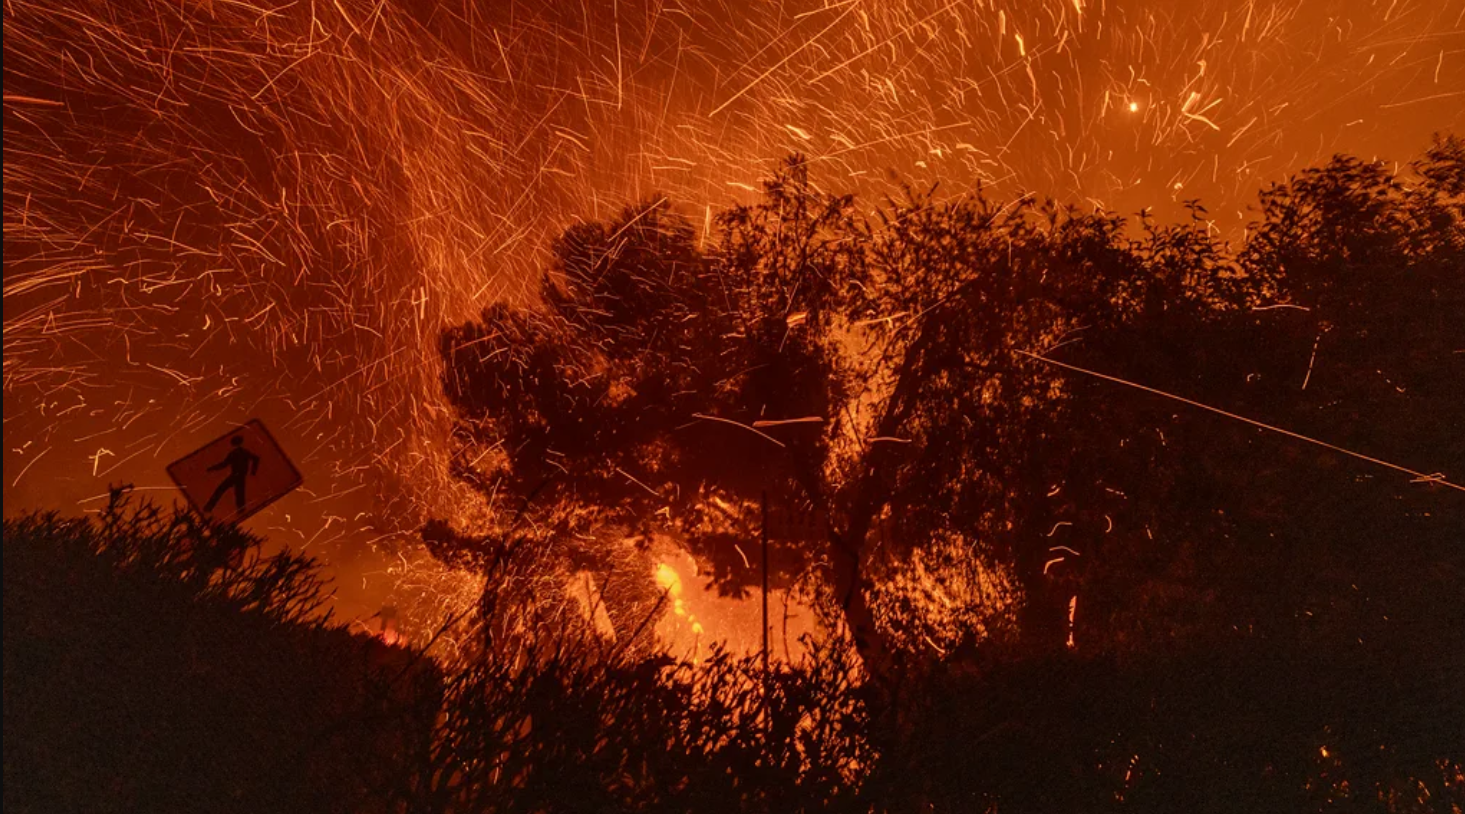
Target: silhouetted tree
(878, 371)
(1189, 519)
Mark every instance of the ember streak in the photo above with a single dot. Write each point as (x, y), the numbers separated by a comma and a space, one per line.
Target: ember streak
(222, 210)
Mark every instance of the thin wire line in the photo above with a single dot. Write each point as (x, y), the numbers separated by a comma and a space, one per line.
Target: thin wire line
(1421, 477)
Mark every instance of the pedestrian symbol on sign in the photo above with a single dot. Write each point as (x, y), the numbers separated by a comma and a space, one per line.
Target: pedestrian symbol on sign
(241, 463)
(245, 464)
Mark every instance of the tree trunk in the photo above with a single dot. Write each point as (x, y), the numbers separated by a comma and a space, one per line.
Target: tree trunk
(870, 643)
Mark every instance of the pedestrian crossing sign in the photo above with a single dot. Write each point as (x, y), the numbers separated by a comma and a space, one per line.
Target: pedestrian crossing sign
(236, 474)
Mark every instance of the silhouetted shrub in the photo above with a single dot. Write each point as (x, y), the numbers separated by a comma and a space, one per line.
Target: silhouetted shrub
(156, 663)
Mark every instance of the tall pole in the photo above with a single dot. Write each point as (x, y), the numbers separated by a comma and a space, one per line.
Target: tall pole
(764, 534)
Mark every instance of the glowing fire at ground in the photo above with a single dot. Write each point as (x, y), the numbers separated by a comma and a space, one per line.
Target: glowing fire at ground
(695, 607)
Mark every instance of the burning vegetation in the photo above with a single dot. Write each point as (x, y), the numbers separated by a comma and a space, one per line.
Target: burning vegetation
(866, 480)
(1049, 569)
(952, 390)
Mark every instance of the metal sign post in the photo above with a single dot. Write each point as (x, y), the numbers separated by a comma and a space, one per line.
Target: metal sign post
(763, 535)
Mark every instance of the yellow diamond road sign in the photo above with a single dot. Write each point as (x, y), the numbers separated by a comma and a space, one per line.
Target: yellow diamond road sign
(236, 474)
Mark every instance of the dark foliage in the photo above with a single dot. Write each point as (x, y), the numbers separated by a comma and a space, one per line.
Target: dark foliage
(541, 714)
(154, 663)
(1259, 618)
(1335, 726)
